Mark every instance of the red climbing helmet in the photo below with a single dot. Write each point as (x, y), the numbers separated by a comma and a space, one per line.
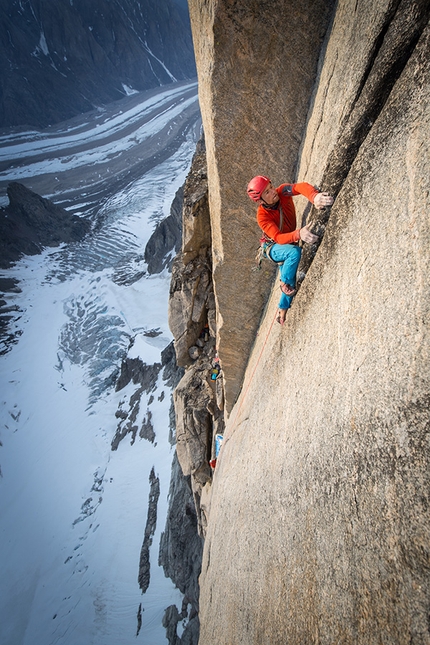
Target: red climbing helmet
(256, 186)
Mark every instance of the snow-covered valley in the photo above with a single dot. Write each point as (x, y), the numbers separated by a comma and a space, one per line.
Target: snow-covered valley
(73, 512)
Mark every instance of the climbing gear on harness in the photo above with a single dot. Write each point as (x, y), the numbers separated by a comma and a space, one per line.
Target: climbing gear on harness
(257, 186)
(264, 252)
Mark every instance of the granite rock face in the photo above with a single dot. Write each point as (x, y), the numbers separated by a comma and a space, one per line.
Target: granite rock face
(319, 524)
(257, 63)
(60, 58)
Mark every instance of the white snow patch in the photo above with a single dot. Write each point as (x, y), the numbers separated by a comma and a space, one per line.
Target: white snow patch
(43, 44)
(129, 90)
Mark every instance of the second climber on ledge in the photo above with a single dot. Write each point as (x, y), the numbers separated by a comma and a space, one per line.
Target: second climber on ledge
(276, 216)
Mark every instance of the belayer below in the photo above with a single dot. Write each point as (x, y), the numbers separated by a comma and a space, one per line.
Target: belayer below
(276, 216)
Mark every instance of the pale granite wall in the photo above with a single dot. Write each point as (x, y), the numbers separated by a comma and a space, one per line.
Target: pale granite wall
(319, 508)
(257, 63)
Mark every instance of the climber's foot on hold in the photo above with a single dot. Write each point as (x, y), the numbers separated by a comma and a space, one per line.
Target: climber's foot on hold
(282, 313)
(288, 289)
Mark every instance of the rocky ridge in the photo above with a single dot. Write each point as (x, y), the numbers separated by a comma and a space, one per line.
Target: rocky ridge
(31, 222)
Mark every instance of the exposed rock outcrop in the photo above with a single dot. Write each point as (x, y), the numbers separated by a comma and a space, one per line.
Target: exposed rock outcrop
(198, 397)
(181, 555)
(31, 222)
(144, 575)
(62, 58)
(144, 376)
(191, 303)
(319, 506)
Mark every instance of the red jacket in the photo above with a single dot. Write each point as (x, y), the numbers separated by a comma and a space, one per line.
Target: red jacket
(268, 217)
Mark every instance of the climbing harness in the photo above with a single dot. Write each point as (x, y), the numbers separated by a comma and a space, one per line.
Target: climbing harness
(266, 244)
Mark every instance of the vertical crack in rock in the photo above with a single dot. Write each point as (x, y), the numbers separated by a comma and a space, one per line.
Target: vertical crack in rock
(319, 527)
(394, 45)
(151, 523)
(393, 48)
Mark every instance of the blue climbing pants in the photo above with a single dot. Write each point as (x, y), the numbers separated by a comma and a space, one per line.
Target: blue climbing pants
(289, 255)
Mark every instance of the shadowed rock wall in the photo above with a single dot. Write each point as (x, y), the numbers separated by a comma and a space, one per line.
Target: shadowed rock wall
(319, 520)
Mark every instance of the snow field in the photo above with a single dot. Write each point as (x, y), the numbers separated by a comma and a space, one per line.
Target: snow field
(73, 513)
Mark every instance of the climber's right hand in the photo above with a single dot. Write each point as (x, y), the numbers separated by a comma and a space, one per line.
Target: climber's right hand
(307, 236)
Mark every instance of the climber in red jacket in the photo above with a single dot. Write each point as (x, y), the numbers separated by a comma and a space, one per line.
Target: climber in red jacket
(276, 216)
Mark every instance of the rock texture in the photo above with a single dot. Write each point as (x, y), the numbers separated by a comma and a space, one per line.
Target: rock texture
(198, 397)
(191, 302)
(144, 575)
(60, 58)
(144, 377)
(30, 222)
(319, 522)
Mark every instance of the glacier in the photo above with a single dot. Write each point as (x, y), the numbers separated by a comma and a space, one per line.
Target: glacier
(73, 512)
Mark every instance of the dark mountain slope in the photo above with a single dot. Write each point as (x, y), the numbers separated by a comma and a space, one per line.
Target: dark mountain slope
(59, 58)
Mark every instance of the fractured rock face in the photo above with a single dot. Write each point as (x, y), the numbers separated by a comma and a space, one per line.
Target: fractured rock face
(191, 303)
(181, 555)
(198, 419)
(198, 397)
(166, 237)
